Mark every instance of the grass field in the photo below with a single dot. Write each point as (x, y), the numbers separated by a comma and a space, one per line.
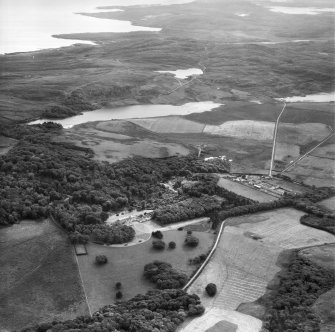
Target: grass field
(39, 276)
(245, 191)
(126, 265)
(325, 151)
(282, 228)
(173, 124)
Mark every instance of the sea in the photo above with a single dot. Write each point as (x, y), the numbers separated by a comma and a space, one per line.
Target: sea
(29, 25)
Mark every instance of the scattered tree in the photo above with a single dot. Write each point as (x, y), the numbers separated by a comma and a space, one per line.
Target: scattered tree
(157, 234)
(158, 244)
(101, 259)
(119, 295)
(172, 245)
(191, 241)
(211, 289)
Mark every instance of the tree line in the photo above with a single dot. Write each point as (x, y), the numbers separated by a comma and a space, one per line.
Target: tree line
(158, 310)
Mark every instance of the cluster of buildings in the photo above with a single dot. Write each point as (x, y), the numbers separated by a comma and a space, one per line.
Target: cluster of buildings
(262, 183)
(222, 158)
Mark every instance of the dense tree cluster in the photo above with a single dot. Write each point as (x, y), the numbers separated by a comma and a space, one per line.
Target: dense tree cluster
(318, 194)
(157, 311)
(289, 307)
(191, 241)
(198, 259)
(158, 244)
(41, 177)
(309, 207)
(246, 209)
(187, 209)
(164, 276)
(204, 190)
(325, 223)
(157, 234)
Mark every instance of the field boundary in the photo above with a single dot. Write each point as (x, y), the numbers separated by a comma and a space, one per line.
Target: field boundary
(196, 275)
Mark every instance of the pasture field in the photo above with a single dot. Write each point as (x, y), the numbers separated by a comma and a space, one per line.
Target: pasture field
(323, 256)
(170, 124)
(299, 134)
(245, 191)
(126, 265)
(39, 276)
(286, 151)
(113, 141)
(220, 320)
(316, 171)
(282, 228)
(325, 151)
(268, 111)
(329, 203)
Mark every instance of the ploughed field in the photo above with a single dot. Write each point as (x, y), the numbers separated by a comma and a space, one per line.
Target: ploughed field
(39, 276)
(246, 260)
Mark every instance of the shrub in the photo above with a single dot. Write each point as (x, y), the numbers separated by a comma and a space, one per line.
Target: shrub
(119, 295)
(211, 289)
(191, 241)
(158, 244)
(157, 234)
(172, 245)
(101, 259)
(118, 285)
(189, 232)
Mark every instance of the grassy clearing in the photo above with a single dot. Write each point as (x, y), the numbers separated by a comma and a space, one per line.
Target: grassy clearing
(245, 191)
(329, 203)
(324, 307)
(323, 256)
(126, 265)
(6, 144)
(40, 280)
